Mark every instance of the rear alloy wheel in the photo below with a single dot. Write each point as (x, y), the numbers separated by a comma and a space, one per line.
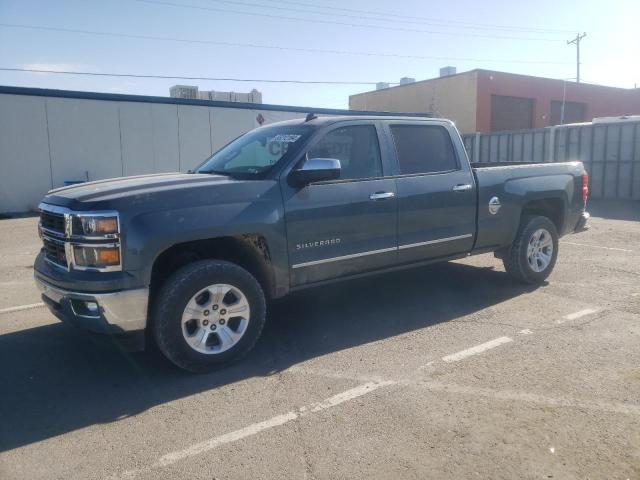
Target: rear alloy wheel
(534, 251)
(540, 250)
(208, 314)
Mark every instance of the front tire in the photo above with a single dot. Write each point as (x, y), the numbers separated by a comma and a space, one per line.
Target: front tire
(534, 251)
(208, 314)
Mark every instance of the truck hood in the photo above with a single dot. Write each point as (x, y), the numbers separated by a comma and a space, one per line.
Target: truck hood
(157, 191)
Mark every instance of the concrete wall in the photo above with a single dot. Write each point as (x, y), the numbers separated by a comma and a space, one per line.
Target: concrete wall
(25, 157)
(452, 97)
(599, 101)
(465, 98)
(45, 140)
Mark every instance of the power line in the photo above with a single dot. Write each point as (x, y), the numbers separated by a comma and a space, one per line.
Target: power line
(180, 77)
(413, 17)
(331, 22)
(270, 47)
(359, 16)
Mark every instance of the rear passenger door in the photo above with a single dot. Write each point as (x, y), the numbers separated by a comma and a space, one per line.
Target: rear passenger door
(436, 191)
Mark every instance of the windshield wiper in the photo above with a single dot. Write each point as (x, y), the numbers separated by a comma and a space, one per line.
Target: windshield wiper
(215, 172)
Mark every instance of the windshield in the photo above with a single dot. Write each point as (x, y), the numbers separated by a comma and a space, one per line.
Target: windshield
(253, 154)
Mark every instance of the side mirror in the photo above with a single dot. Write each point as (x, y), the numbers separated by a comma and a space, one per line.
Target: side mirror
(316, 170)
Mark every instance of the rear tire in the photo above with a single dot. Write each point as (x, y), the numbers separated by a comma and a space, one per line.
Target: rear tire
(534, 251)
(208, 314)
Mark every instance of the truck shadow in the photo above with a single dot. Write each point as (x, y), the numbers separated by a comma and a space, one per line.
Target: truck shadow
(55, 379)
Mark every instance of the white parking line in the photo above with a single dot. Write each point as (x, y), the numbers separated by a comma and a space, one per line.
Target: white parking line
(579, 314)
(418, 381)
(198, 448)
(344, 396)
(599, 246)
(483, 347)
(509, 395)
(205, 446)
(22, 307)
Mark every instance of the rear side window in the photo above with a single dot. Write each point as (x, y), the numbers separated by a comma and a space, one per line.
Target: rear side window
(357, 149)
(423, 149)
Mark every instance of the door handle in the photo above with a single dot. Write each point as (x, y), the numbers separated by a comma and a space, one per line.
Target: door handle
(463, 187)
(381, 195)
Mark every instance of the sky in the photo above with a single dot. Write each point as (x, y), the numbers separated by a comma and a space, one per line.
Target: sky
(350, 41)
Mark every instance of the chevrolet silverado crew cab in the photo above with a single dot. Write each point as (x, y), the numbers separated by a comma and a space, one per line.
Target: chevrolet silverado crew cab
(190, 260)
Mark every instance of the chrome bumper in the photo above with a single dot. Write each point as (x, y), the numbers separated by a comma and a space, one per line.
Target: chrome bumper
(583, 223)
(117, 312)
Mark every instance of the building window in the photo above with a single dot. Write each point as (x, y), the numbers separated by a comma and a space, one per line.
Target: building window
(574, 112)
(511, 113)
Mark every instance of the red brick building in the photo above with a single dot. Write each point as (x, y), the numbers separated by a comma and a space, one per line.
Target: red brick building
(485, 100)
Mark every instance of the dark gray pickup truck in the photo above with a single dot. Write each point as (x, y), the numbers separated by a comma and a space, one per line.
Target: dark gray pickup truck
(191, 260)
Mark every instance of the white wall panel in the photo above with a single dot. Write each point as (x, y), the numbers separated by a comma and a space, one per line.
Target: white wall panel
(45, 140)
(85, 139)
(229, 123)
(165, 137)
(136, 133)
(149, 135)
(194, 134)
(25, 172)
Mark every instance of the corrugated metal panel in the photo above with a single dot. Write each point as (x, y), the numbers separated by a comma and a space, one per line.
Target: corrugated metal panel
(610, 152)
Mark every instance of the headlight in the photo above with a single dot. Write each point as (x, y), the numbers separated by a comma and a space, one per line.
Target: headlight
(90, 254)
(96, 257)
(81, 240)
(93, 226)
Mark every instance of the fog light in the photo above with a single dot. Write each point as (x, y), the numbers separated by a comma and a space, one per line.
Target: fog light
(92, 307)
(85, 309)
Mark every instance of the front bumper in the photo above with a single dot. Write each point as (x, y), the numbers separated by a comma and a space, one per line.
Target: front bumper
(117, 312)
(583, 223)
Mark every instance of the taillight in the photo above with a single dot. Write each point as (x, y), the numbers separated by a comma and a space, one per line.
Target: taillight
(585, 188)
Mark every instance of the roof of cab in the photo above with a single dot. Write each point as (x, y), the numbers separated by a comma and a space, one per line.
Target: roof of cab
(329, 119)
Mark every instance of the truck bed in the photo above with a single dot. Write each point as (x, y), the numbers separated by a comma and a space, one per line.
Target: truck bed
(517, 183)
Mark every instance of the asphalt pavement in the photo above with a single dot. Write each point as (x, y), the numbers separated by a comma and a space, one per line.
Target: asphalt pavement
(448, 371)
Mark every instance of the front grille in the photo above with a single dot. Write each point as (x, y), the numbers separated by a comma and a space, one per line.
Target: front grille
(54, 251)
(52, 221)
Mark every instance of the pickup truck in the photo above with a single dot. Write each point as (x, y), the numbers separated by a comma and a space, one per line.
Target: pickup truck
(191, 260)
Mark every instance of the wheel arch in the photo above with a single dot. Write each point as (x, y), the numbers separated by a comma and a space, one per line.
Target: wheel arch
(554, 208)
(249, 251)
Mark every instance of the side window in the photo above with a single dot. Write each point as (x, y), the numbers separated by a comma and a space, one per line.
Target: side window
(423, 149)
(357, 149)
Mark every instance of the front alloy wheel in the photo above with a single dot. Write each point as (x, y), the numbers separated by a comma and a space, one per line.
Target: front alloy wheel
(215, 319)
(208, 314)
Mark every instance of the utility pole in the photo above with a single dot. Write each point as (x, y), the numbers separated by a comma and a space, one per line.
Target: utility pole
(577, 42)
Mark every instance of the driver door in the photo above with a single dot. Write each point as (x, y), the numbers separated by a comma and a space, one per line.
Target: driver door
(344, 226)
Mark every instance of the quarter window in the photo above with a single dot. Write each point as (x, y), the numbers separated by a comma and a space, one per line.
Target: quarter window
(423, 149)
(357, 149)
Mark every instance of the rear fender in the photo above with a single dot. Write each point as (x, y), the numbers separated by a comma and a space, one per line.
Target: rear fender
(546, 195)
